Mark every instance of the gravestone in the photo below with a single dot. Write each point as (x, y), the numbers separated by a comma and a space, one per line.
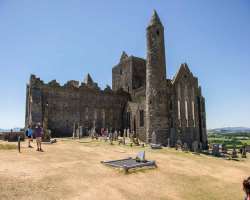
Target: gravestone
(73, 134)
(185, 147)
(131, 136)
(140, 157)
(244, 152)
(178, 144)
(128, 132)
(195, 146)
(200, 146)
(168, 142)
(234, 152)
(124, 137)
(115, 135)
(153, 140)
(111, 137)
(224, 149)
(216, 150)
(80, 131)
(124, 141)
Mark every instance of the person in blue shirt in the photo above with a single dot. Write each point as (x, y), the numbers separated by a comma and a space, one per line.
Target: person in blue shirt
(30, 136)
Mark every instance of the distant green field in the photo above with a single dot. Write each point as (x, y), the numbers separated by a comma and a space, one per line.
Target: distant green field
(238, 139)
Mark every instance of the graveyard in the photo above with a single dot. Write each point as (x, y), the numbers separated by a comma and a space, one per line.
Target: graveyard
(72, 169)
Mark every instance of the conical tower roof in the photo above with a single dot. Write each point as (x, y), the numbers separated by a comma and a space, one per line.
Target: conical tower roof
(155, 19)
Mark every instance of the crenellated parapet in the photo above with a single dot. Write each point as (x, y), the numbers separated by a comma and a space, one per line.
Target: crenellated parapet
(54, 83)
(71, 84)
(35, 81)
(87, 85)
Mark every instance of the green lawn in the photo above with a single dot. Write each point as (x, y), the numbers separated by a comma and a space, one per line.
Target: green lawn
(229, 140)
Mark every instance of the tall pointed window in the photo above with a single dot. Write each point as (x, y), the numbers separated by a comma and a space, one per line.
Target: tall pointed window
(103, 118)
(193, 112)
(186, 111)
(95, 114)
(179, 110)
(141, 118)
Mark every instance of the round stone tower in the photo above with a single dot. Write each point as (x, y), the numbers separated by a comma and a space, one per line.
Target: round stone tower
(156, 101)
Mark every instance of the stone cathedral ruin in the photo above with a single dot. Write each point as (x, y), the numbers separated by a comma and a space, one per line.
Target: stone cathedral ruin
(142, 99)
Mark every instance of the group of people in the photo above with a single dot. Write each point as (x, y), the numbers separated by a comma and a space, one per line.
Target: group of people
(37, 133)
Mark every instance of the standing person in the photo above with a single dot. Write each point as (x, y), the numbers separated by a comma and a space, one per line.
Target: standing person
(246, 188)
(30, 136)
(38, 134)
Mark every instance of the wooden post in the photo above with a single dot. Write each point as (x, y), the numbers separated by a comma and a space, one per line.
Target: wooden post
(19, 144)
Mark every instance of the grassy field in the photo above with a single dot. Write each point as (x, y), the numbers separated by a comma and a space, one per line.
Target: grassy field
(237, 139)
(72, 170)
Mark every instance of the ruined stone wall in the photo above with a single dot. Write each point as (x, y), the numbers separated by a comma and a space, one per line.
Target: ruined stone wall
(129, 74)
(138, 73)
(73, 104)
(122, 75)
(188, 110)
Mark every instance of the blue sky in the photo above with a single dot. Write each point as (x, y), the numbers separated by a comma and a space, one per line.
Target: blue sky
(67, 39)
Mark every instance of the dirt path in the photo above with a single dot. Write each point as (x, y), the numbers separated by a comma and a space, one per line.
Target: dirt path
(72, 170)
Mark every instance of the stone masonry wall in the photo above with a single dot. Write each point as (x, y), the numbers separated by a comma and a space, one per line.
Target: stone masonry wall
(68, 105)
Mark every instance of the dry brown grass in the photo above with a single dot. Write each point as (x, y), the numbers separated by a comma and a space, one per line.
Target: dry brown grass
(5, 146)
(72, 170)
